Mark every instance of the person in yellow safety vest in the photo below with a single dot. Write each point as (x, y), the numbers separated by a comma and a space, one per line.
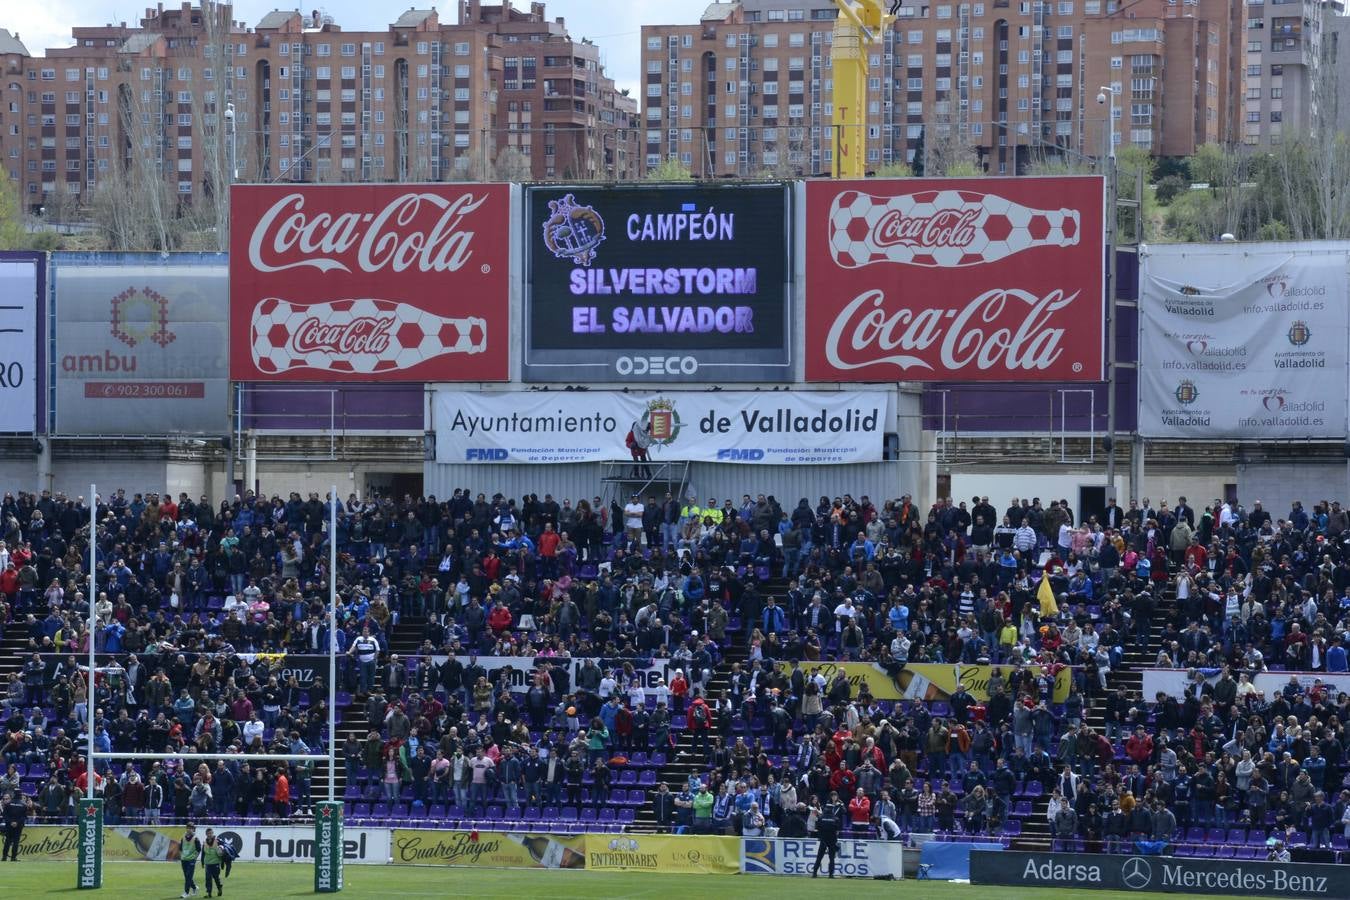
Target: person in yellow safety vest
(691, 511)
(712, 512)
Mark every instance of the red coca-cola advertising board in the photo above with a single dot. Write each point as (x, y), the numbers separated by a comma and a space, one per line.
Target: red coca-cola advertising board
(980, 279)
(370, 282)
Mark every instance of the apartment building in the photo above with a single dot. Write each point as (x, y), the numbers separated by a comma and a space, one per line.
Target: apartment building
(307, 101)
(747, 89)
(1290, 59)
(1336, 46)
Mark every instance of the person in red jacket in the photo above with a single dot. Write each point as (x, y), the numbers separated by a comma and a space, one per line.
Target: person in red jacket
(699, 721)
(1139, 748)
(860, 810)
(499, 619)
(679, 688)
(548, 550)
(843, 781)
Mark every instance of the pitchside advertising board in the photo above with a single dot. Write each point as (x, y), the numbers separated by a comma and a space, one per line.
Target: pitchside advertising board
(669, 283)
(989, 279)
(370, 282)
(1158, 873)
(856, 859)
(140, 342)
(1243, 341)
(18, 343)
(750, 427)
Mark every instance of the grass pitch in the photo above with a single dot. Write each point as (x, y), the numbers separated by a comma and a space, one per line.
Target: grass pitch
(164, 881)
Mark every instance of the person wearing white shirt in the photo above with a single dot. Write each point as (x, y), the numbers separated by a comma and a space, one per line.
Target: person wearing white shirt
(632, 518)
(608, 685)
(844, 610)
(252, 728)
(1226, 516)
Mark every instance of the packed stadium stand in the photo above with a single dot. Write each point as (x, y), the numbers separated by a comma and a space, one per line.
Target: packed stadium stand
(720, 648)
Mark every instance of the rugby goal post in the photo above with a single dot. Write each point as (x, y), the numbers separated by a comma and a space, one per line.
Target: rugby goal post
(327, 813)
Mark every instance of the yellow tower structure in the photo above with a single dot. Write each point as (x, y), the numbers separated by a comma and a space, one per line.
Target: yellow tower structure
(859, 24)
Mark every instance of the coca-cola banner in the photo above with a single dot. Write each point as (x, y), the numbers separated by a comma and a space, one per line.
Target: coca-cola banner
(657, 283)
(984, 279)
(141, 343)
(754, 427)
(1243, 341)
(370, 282)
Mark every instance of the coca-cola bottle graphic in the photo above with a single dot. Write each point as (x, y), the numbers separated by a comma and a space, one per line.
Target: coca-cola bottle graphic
(941, 229)
(356, 336)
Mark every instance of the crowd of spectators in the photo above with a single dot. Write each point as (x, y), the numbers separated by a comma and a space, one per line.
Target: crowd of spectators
(194, 603)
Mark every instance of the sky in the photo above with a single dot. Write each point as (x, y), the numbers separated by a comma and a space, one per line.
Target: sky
(614, 25)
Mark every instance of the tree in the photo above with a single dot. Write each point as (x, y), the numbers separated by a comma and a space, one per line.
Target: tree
(945, 154)
(920, 153)
(1169, 187)
(511, 165)
(12, 232)
(670, 170)
(133, 204)
(893, 170)
(212, 212)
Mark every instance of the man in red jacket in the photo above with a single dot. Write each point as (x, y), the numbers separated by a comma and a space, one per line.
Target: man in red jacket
(1139, 748)
(698, 720)
(548, 551)
(499, 619)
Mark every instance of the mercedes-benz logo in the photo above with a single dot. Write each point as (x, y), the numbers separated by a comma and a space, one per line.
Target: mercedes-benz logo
(1136, 873)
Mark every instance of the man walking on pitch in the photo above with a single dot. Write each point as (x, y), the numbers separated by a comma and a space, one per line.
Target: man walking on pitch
(188, 853)
(828, 823)
(212, 857)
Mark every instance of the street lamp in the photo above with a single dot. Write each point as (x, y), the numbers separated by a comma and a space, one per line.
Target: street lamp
(1107, 96)
(234, 176)
(230, 133)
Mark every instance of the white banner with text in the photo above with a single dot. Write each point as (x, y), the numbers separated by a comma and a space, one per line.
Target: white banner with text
(754, 427)
(1243, 341)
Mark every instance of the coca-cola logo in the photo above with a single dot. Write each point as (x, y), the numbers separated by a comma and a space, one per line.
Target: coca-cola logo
(944, 228)
(421, 231)
(365, 334)
(1006, 329)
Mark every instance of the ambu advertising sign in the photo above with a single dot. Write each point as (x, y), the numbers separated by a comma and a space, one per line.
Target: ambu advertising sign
(1158, 873)
(667, 283)
(141, 343)
(1243, 341)
(750, 427)
(988, 279)
(370, 282)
